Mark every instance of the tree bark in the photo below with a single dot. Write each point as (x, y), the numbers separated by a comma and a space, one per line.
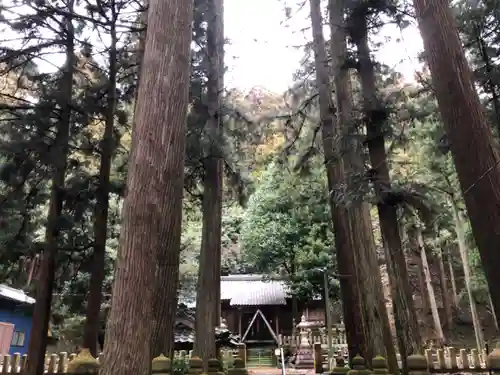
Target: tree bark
(143, 22)
(376, 320)
(155, 185)
(453, 282)
(447, 303)
(495, 320)
(219, 70)
(295, 316)
(430, 289)
(350, 293)
(208, 296)
(92, 322)
(167, 258)
(471, 142)
(404, 312)
(462, 247)
(41, 314)
(423, 290)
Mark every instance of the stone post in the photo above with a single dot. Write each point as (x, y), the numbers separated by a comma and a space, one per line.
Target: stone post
(379, 365)
(61, 364)
(340, 367)
(6, 364)
(417, 365)
(52, 368)
(16, 363)
(215, 367)
(84, 363)
(195, 366)
(358, 364)
(493, 360)
(238, 368)
(161, 365)
(318, 358)
(24, 361)
(242, 353)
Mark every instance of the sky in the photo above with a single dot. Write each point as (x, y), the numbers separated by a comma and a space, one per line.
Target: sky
(263, 45)
(262, 53)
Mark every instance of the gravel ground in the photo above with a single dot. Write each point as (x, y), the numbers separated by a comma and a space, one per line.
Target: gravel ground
(277, 371)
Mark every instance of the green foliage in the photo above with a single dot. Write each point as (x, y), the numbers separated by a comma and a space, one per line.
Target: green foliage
(180, 367)
(478, 24)
(424, 163)
(287, 229)
(232, 258)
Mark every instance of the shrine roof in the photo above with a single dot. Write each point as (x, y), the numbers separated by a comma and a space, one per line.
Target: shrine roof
(253, 290)
(184, 329)
(17, 295)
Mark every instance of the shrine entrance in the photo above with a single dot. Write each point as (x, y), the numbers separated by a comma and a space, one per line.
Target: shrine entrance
(259, 329)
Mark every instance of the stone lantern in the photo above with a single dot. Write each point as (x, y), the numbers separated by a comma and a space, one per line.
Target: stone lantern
(305, 353)
(223, 324)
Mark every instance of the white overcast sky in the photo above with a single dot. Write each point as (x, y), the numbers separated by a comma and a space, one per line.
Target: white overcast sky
(261, 51)
(262, 54)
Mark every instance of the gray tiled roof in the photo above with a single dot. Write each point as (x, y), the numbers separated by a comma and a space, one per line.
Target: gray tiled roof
(15, 294)
(245, 290)
(184, 336)
(187, 336)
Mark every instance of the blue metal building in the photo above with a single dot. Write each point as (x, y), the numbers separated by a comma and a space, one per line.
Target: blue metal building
(16, 309)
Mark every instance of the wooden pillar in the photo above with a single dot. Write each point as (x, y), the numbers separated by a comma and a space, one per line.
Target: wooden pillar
(318, 358)
(276, 323)
(240, 313)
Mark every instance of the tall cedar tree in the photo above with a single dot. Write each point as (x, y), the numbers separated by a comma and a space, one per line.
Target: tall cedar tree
(464, 252)
(375, 116)
(208, 296)
(471, 142)
(139, 56)
(445, 292)
(92, 322)
(376, 320)
(167, 276)
(41, 315)
(350, 293)
(478, 26)
(153, 204)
